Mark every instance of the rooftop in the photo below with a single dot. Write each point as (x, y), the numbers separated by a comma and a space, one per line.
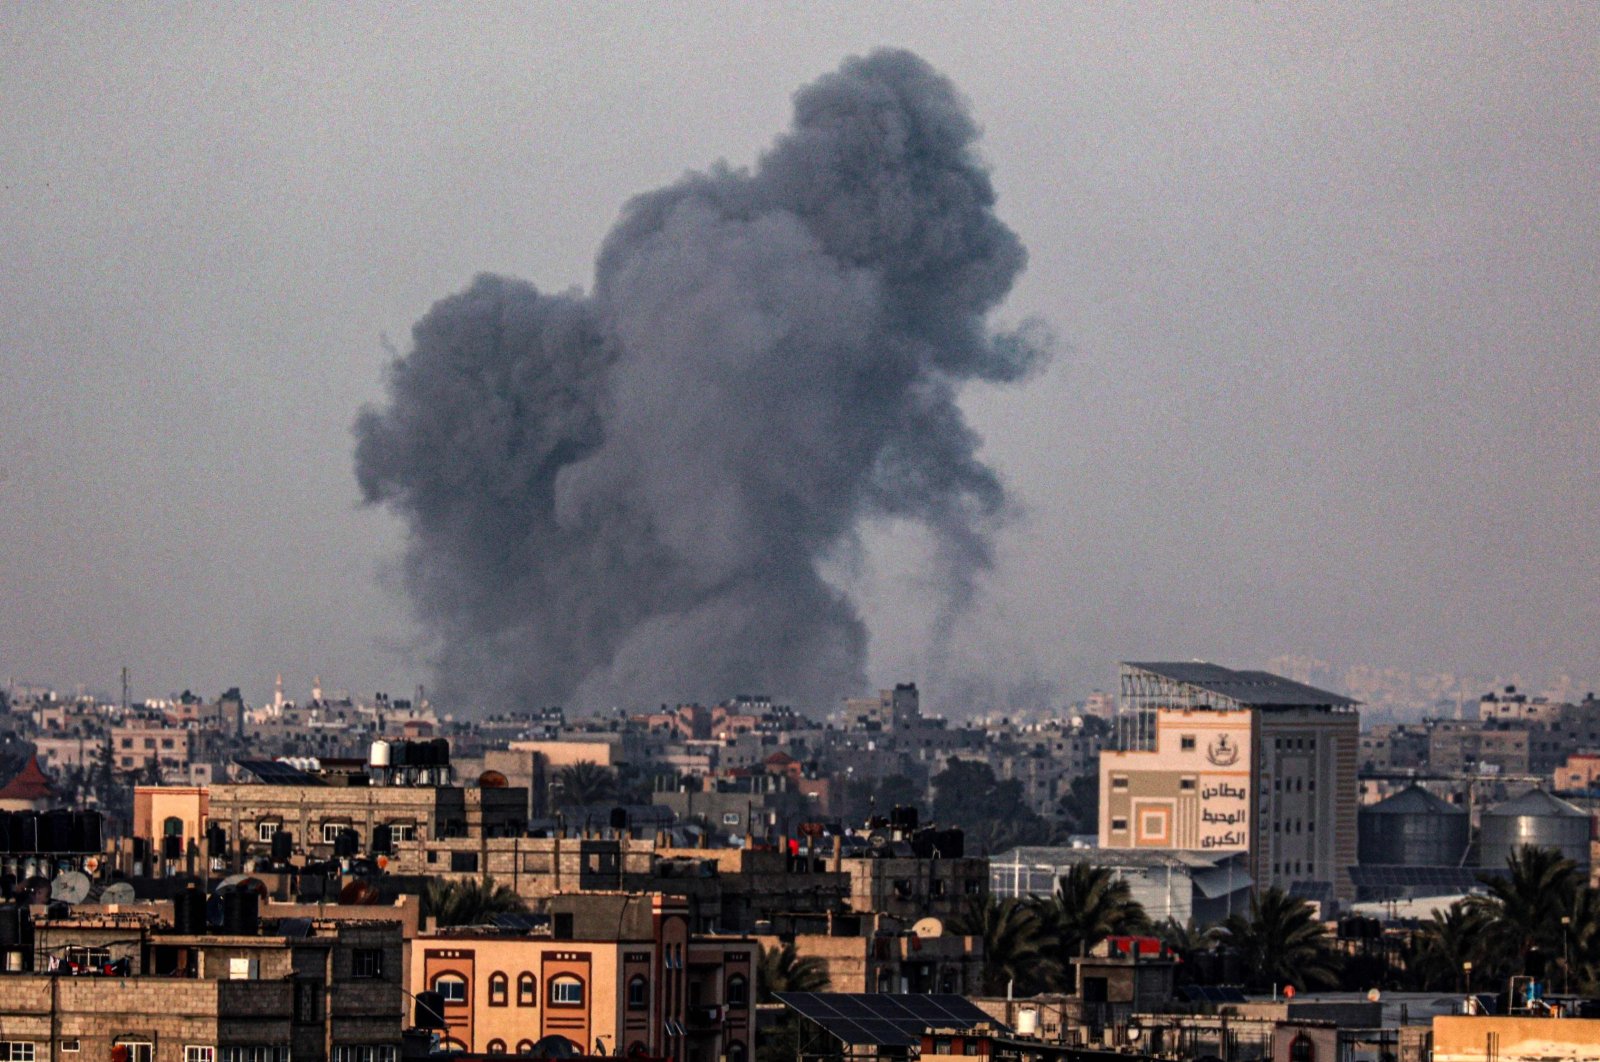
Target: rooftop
(1251, 689)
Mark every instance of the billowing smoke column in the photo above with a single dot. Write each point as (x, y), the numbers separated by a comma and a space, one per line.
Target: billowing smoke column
(625, 498)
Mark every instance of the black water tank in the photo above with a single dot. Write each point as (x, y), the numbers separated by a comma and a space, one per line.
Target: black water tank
(430, 1011)
(441, 752)
(141, 849)
(382, 840)
(619, 818)
(86, 831)
(16, 926)
(189, 911)
(346, 843)
(5, 831)
(400, 754)
(55, 831)
(903, 816)
(25, 833)
(282, 846)
(172, 847)
(241, 913)
(216, 842)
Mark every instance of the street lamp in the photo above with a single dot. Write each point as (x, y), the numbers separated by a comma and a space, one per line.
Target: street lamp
(1566, 961)
(1466, 976)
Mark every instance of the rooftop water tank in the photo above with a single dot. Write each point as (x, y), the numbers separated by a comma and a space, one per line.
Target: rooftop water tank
(379, 755)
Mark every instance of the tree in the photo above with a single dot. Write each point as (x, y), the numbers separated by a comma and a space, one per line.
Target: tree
(584, 783)
(1015, 947)
(1523, 910)
(995, 814)
(467, 902)
(1080, 807)
(1439, 950)
(782, 969)
(1090, 904)
(1281, 942)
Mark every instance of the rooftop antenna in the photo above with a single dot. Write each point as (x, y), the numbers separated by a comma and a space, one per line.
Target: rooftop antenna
(124, 690)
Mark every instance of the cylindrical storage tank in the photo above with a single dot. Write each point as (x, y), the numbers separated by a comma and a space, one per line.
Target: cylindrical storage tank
(25, 833)
(441, 752)
(189, 912)
(379, 754)
(1535, 818)
(1412, 828)
(241, 912)
(282, 846)
(400, 754)
(86, 831)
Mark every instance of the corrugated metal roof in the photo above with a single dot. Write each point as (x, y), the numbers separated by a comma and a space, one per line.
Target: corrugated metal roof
(1538, 803)
(1255, 689)
(1413, 800)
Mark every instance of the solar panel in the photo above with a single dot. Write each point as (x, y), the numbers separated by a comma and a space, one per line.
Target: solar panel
(879, 1019)
(274, 773)
(1213, 994)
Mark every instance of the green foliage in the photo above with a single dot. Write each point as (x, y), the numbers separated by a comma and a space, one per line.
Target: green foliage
(1281, 942)
(994, 814)
(1090, 904)
(467, 902)
(1016, 948)
(584, 783)
(781, 969)
(1437, 952)
(1523, 910)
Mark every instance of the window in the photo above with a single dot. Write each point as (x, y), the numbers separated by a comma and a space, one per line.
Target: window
(16, 1050)
(525, 1047)
(497, 1047)
(638, 993)
(566, 991)
(1301, 1049)
(730, 818)
(1119, 824)
(1186, 783)
(194, 1053)
(1186, 743)
(453, 987)
(166, 743)
(266, 828)
(91, 958)
(332, 830)
(138, 1050)
(527, 993)
(1119, 781)
(464, 862)
(366, 962)
(363, 1053)
(402, 831)
(498, 989)
(252, 1054)
(738, 991)
(69, 1047)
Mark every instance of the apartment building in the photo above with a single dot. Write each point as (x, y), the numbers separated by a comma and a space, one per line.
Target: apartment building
(615, 974)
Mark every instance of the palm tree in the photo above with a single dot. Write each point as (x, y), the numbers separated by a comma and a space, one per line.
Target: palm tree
(784, 970)
(1523, 910)
(1281, 942)
(1014, 944)
(1580, 944)
(1441, 948)
(584, 783)
(468, 902)
(1188, 944)
(1090, 904)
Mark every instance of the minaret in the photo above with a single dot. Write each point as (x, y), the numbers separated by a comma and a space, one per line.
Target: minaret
(316, 689)
(277, 695)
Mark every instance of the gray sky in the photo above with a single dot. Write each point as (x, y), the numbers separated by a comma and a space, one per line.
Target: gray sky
(1324, 278)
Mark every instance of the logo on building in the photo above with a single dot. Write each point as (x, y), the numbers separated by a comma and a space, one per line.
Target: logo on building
(1222, 751)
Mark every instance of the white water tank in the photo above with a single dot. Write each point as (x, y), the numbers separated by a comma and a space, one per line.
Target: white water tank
(379, 756)
(1027, 1023)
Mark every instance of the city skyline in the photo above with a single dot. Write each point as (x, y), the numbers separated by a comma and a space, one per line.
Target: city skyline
(1320, 282)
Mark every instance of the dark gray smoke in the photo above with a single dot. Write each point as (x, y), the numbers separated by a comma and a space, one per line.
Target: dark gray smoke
(624, 498)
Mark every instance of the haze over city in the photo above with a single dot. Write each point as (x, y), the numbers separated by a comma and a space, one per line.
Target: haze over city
(1320, 284)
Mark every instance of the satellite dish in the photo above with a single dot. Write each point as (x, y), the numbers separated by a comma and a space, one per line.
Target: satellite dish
(1373, 995)
(878, 840)
(491, 780)
(358, 893)
(71, 887)
(243, 883)
(118, 892)
(928, 928)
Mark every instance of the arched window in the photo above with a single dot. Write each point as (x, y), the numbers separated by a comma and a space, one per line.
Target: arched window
(566, 991)
(1301, 1049)
(172, 827)
(637, 1048)
(499, 985)
(525, 1047)
(638, 993)
(736, 1052)
(452, 987)
(738, 996)
(497, 1047)
(527, 991)
(450, 1043)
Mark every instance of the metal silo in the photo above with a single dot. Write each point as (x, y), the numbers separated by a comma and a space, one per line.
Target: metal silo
(1412, 828)
(1534, 818)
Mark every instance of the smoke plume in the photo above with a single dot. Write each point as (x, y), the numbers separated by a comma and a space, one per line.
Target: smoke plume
(625, 497)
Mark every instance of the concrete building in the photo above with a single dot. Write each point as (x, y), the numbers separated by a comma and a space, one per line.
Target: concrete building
(1216, 760)
(869, 952)
(619, 974)
(1180, 885)
(265, 995)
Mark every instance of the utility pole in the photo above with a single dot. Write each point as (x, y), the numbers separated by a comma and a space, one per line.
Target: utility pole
(124, 690)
